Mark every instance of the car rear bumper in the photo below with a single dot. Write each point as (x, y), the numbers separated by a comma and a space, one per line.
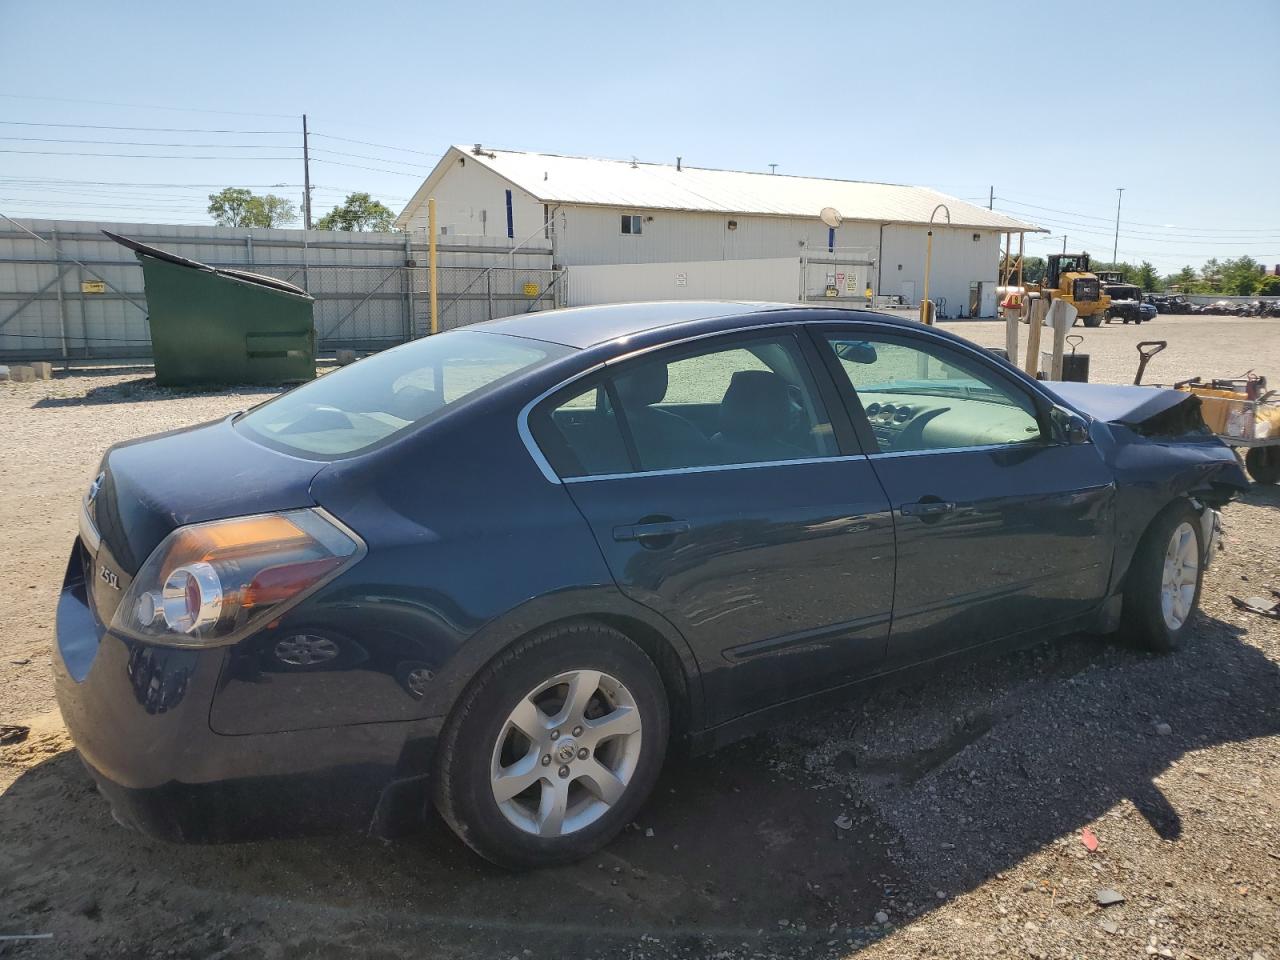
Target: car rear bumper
(139, 716)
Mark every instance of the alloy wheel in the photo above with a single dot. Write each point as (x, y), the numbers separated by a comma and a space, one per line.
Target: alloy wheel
(1181, 572)
(566, 754)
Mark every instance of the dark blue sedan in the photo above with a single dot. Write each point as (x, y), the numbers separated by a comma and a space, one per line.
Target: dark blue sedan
(500, 570)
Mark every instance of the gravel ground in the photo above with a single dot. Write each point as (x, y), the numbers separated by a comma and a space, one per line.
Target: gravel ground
(965, 796)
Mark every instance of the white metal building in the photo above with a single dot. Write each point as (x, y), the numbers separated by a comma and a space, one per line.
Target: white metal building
(612, 212)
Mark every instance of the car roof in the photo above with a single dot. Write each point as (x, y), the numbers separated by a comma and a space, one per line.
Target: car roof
(583, 327)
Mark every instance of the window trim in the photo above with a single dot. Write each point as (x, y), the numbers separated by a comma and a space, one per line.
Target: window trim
(849, 396)
(846, 445)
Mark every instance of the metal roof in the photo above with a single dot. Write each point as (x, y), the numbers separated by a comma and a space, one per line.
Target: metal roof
(657, 186)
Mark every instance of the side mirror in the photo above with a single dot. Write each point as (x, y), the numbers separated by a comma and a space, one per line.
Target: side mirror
(1071, 427)
(857, 351)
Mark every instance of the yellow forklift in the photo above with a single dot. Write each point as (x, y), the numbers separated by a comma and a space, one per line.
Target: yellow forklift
(1067, 277)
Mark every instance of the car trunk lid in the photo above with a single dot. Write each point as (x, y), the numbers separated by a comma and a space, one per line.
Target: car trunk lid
(148, 488)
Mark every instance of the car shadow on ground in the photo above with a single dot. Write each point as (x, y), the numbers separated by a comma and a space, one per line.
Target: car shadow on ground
(146, 390)
(943, 784)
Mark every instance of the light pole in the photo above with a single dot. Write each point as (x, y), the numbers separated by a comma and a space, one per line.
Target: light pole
(926, 307)
(1115, 250)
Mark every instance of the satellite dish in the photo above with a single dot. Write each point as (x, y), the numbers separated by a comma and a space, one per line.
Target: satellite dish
(831, 217)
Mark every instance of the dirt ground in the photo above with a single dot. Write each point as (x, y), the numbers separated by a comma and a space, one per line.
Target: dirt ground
(966, 795)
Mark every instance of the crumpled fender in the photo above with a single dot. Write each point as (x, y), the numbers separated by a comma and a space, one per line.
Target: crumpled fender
(1152, 472)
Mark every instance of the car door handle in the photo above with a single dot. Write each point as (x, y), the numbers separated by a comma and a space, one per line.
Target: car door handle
(927, 508)
(651, 531)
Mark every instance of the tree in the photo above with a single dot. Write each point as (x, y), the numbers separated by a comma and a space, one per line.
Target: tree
(238, 207)
(358, 212)
(1147, 276)
(1241, 276)
(1269, 287)
(1184, 279)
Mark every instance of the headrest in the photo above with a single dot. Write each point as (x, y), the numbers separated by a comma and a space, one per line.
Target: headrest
(643, 386)
(755, 405)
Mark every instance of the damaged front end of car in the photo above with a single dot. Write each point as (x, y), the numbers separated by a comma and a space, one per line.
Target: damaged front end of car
(1160, 449)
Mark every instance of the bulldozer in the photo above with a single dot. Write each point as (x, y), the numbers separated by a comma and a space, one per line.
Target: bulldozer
(1067, 277)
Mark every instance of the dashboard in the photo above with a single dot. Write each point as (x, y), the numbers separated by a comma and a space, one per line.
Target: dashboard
(903, 421)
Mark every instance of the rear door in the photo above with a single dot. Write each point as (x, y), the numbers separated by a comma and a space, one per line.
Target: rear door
(719, 492)
(1000, 529)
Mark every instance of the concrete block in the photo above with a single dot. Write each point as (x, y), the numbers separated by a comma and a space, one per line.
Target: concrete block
(345, 357)
(4, 372)
(21, 374)
(43, 369)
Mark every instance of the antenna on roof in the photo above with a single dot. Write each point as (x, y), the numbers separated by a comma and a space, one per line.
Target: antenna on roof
(477, 149)
(678, 168)
(633, 163)
(773, 168)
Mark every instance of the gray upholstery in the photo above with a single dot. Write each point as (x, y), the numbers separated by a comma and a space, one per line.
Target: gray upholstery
(663, 440)
(755, 416)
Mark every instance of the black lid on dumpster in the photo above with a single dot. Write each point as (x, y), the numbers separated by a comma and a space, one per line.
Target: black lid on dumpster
(144, 249)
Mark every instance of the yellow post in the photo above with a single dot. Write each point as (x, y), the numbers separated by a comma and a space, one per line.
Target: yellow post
(431, 264)
(926, 314)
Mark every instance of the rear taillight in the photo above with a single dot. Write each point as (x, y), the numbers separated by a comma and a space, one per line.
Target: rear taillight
(212, 583)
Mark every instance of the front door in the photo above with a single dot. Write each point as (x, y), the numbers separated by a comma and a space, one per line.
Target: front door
(1000, 529)
(722, 499)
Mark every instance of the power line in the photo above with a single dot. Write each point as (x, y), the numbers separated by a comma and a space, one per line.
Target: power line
(354, 166)
(365, 156)
(146, 143)
(369, 143)
(1110, 220)
(134, 156)
(146, 106)
(98, 126)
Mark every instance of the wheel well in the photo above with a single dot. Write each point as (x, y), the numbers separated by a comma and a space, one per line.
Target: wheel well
(665, 658)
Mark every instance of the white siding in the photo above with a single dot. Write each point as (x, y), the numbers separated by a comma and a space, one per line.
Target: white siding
(958, 260)
(471, 201)
(772, 280)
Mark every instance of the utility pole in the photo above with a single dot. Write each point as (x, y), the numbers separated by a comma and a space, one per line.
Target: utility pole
(1064, 244)
(773, 168)
(991, 199)
(1115, 250)
(306, 178)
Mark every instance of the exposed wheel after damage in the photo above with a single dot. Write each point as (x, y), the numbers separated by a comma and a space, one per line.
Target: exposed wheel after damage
(553, 748)
(1263, 464)
(1164, 580)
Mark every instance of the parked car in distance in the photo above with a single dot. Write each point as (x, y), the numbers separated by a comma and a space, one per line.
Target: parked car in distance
(500, 570)
(1126, 302)
(1173, 303)
(1148, 310)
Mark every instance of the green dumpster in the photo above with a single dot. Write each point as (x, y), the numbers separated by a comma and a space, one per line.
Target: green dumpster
(215, 325)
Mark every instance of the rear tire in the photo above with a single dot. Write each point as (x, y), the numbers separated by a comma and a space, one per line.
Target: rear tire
(597, 718)
(1162, 590)
(1263, 464)
(1093, 321)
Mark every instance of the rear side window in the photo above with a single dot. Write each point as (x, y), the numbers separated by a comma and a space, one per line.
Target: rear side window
(353, 409)
(580, 435)
(740, 402)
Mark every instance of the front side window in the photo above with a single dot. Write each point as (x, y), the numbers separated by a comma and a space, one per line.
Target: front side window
(352, 409)
(632, 224)
(920, 397)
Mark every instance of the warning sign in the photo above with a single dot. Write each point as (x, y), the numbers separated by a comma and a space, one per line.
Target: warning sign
(530, 289)
(682, 279)
(93, 286)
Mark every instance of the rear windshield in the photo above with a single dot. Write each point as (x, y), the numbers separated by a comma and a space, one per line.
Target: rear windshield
(352, 409)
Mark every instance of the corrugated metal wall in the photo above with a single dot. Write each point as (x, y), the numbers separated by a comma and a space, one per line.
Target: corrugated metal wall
(366, 296)
(768, 280)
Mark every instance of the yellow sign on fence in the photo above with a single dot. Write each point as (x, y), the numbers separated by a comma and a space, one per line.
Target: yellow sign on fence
(93, 286)
(530, 289)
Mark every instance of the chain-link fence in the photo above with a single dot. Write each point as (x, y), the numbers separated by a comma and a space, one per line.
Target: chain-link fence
(358, 307)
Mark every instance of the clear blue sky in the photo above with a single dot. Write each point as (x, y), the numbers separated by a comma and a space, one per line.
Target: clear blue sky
(1177, 102)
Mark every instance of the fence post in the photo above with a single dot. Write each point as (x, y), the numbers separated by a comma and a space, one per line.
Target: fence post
(62, 307)
(408, 287)
(488, 289)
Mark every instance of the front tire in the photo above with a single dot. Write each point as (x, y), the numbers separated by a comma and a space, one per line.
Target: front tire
(1094, 320)
(553, 748)
(1163, 585)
